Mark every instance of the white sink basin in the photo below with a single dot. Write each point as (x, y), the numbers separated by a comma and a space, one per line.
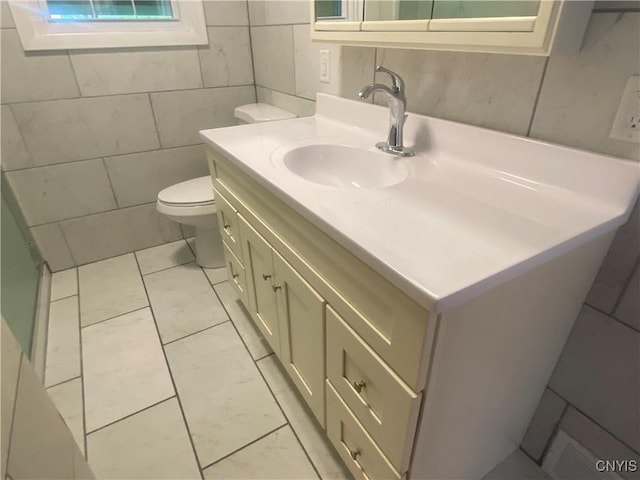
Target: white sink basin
(345, 166)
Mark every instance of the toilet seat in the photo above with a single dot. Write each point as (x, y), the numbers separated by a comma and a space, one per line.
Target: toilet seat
(191, 193)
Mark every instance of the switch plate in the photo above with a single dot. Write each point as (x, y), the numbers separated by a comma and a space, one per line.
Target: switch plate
(626, 125)
(325, 70)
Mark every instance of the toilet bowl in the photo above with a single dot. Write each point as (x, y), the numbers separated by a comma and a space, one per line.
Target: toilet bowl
(193, 202)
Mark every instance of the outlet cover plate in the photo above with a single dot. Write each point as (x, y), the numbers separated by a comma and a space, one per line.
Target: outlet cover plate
(325, 62)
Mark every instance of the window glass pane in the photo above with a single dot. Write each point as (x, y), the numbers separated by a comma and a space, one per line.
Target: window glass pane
(110, 9)
(70, 9)
(153, 9)
(113, 9)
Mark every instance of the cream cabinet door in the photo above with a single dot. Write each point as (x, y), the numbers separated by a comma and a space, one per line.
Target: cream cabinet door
(301, 311)
(260, 275)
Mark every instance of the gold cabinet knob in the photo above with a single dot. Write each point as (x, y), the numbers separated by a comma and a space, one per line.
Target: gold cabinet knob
(266, 276)
(276, 287)
(227, 226)
(235, 275)
(359, 385)
(355, 453)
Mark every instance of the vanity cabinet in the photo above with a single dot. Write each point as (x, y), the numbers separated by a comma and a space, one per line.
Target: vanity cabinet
(402, 391)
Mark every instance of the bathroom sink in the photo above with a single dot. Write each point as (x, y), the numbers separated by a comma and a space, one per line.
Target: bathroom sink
(345, 166)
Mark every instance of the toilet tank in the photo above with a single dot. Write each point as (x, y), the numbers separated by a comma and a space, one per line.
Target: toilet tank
(260, 112)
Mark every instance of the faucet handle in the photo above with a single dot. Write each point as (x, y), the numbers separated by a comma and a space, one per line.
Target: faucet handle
(397, 84)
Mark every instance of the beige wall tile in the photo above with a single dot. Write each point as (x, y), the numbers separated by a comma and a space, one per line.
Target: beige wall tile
(108, 234)
(597, 440)
(279, 12)
(493, 91)
(300, 106)
(273, 61)
(14, 151)
(599, 373)
(138, 178)
(581, 92)
(307, 62)
(616, 4)
(66, 130)
(617, 265)
(11, 354)
(547, 416)
(58, 192)
(628, 310)
(53, 246)
(131, 71)
(41, 444)
(34, 76)
(226, 12)
(63, 342)
(227, 59)
(181, 115)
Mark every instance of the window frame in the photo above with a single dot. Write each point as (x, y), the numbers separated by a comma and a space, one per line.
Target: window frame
(37, 32)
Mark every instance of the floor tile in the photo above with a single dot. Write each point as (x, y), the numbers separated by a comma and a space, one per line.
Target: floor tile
(64, 284)
(225, 400)
(67, 398)
(152, 444)
(183, 301)
(63, 342)
(164, 256)
(276, 456)
(303, 422)
(110, 287)
(216, 275)
(124, 368)
(256, 343)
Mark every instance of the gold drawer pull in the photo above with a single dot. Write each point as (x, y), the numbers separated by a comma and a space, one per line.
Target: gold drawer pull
(266, 276)
(359, 385)
(276, 287)
(227, 226)
(235, 275)
(354, 453)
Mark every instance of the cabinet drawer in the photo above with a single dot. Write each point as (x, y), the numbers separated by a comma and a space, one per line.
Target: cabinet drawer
(228, 223)
(236, 274)
(385, 406)
(356, 448)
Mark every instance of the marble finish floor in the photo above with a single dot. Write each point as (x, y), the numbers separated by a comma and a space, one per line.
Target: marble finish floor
(159, 373)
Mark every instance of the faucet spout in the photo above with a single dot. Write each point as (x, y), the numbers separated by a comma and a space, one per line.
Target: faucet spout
(397, 103)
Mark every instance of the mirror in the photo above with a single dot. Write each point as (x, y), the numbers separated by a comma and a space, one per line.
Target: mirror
(386, 10)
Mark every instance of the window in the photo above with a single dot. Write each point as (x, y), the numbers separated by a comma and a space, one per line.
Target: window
(81, 24)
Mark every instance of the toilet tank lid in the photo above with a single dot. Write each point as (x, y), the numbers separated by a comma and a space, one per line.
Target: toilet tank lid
(195, 191)
(261, 112)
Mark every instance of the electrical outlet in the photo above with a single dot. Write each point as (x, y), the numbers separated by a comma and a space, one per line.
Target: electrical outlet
(325, 70)
(626, 125)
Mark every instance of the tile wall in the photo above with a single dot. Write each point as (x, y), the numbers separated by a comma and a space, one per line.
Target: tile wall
(567, 99)
(36, 443)
(90, 137)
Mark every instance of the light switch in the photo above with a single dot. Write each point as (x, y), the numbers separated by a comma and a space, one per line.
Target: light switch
(626, 125)
(325, 70)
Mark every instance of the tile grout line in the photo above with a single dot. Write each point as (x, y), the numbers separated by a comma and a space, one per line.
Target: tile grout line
(195, 333)
(112, 318)
(84, 405)
(627, 283)
(255, 363)
(537, 99)
(173, 383)
(63, 382)
(611, 315)
(237, 450)
(113, 191)
(148, 407)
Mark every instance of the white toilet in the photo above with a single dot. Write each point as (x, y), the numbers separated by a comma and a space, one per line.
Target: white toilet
(193, 202)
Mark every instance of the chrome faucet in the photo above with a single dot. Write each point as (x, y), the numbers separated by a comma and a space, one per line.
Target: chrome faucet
(397, 106)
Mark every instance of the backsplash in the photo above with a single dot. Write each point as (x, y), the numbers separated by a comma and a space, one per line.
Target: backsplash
(90, 137)
(567, 99)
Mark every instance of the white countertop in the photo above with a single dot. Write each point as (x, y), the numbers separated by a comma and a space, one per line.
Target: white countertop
(480, 207)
